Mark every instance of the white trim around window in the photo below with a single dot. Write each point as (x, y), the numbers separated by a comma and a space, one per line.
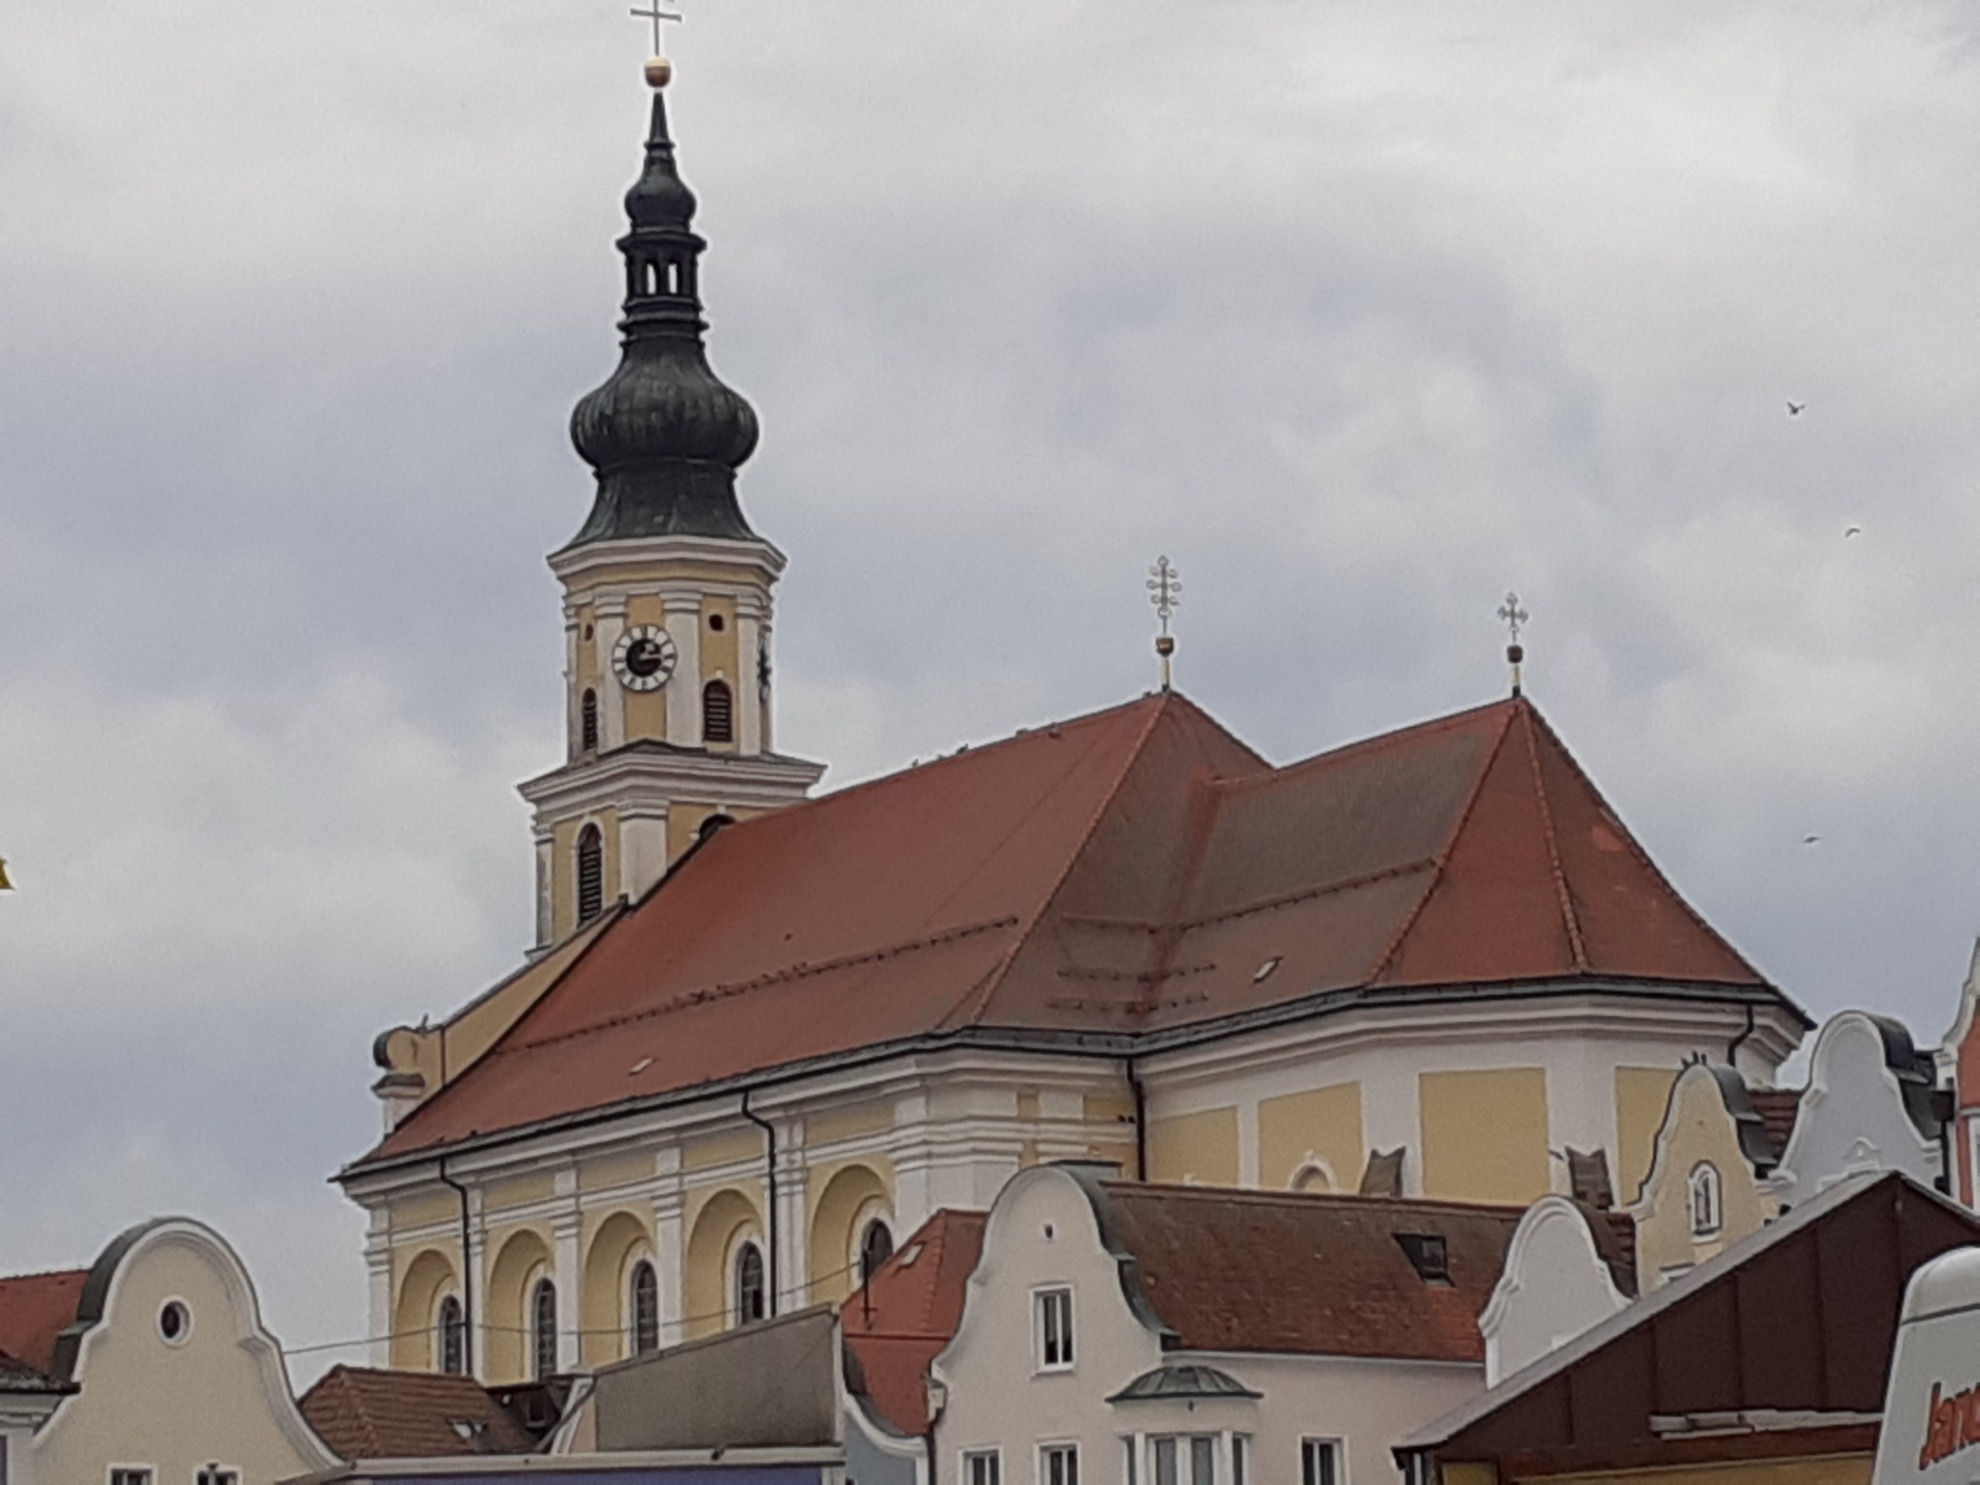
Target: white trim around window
(1322, 1462)
(1052, 1328)
(982, 1467)
(1058, 1463)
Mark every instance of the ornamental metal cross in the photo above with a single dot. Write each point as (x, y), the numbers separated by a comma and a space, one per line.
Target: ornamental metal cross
(656, 15)
(1164, 590)
(1513, 614)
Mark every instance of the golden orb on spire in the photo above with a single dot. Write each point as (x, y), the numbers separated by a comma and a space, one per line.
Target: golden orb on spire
(659, 71)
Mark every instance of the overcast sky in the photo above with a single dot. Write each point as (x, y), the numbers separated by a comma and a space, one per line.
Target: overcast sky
(1362, 313)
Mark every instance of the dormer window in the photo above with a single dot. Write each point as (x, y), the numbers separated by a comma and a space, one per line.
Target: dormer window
(1706, 1200)
(1428, 1254)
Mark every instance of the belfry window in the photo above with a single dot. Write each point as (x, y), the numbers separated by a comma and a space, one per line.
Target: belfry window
(450, 1327)
(543, 1328)
(588, 722)
(643, 1305)
(590, 873)
(876, 1246)
(718, 713)
(749, 1284)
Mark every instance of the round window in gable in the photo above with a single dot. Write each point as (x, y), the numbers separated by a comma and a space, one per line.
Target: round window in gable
(175, 1322)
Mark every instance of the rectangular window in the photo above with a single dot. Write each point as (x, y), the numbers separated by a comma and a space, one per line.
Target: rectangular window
(1132, 1476)
(1058, 1464)
(1320, 1461)
(1203, 1459)
(130, 1475)
(1055, 1328)
(1240, 1458)
(983, 1467)
(214, 1475)
(1166, 1472)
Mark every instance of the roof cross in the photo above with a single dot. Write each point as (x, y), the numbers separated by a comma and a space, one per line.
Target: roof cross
(1514, 616)
(1165, 592)
(655, 14)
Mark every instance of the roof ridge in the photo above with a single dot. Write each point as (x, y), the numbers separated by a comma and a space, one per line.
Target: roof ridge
(1347, 1200)
(1395, 735)
(1569, 919)
(980, 992)
(1443, 856)
(1643, 858)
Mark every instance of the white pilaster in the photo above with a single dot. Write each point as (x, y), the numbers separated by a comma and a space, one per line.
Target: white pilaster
(567, 1267)
(545, 877)
(793, 1242)
(611, 623)
(684, 686)
(378, 1282)
(749, 700)
(642, 847)
(670, 1253)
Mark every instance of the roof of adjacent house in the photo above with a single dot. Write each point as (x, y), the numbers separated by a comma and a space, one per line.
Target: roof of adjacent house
(1311, 1273)
(907, 1312)
(34, 1310)
(1798, 1318)
(1133, 875)
(372, 1413)
(1777, 1108)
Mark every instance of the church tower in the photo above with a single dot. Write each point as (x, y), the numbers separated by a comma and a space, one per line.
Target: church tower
(667, 606)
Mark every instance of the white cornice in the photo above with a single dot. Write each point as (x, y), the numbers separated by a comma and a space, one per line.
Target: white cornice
(573, 563)
(647, 776)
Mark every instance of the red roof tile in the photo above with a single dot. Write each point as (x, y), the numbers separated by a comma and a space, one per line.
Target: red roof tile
(365, 1413)
(34, 1310)
(907, 1312)
(1125, 872)
(1777, 1108)
(1321, 1275)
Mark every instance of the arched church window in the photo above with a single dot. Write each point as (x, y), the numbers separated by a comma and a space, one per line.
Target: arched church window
(876, 1246)
(1706, 1200)
(590, 873)
(718, 712)
(643, 1306)
(588, 722)
(651, 273)
(543, 1328)
(451, 1336)
(749, 1284)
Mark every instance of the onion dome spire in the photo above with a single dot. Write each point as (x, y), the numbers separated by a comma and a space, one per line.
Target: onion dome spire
(664, 434)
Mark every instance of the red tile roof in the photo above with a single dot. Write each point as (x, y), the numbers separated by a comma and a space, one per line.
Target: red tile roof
(907, 1312)
(1777, 1108)
(1126, 872)
(34, 1310)
(1321, 1275)
(365, 1413)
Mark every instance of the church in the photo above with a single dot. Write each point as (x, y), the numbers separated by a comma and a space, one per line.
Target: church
(761, 1034)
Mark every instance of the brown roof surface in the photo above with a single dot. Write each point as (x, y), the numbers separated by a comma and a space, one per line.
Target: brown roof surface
(1126, 872)
(1799, 1317)
(1320, 1275)
(365, 1413)
(908, 1311)
(34, 1310)
(1777, 1108)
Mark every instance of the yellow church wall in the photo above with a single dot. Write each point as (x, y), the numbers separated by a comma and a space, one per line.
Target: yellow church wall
(724, 1148)
(563, 866)
(1484, 1134)
(647, 571)
(419, 1211)
(719, 655)
(1120, 1154)
(1027, 1103)
(1200, 1147)
(420, 1276)
(1322, 1123)
(838, 1199)
(1641, 1095)
(605, 1171)
(718, 1218)
(588, 670)
(517, 1191)
(613, 1241)
(1108, 1108)
(519, 1256)
(1830, 1469)
(646, 714)
(834, 1125)
(684, 822)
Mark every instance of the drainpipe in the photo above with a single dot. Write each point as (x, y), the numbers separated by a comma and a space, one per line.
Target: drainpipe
(467, 1271)
(1732, 1050)
(770, 1185)
(1140, 1120)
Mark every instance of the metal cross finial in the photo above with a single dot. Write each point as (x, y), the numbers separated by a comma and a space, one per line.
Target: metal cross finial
(655, 14)
(1514, 616)
(1165, 592)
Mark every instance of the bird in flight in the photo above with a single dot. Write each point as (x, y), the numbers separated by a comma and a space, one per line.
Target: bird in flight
(1794, 409)
(1852, 531)
(1809, 840)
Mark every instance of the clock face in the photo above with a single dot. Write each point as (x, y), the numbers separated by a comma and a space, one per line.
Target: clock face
(644, 657)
